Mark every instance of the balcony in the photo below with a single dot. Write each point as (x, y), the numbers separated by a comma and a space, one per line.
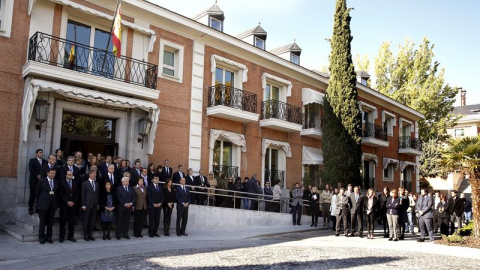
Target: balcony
(312, 126)
(232, 104)
(221, 171)
(65, 60)
(410, 146)
(281, 116)
(374, 135)
(272, 175)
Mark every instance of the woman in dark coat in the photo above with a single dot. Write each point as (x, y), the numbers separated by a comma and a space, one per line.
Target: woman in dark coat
(443, 215)
(107, 204)
(168, 205)
(393, 205)
(370, 206)
(314, 202)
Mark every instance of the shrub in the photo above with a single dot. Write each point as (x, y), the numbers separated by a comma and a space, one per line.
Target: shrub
(467, 230)
(453, 238)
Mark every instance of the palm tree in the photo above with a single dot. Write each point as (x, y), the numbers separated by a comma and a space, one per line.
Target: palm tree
(463, 154)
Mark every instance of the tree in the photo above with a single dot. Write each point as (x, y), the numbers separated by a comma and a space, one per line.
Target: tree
(414, 79)
(463, 154)
(362, 63)
(429, 165)
(341, 137)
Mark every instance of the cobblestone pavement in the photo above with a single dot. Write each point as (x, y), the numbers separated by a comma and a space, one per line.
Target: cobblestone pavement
(300, 250)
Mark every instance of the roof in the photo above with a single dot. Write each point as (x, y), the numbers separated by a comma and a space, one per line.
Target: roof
(362, 74)
(292, 47)
(258, 30)
(213, 10)
(467, 110)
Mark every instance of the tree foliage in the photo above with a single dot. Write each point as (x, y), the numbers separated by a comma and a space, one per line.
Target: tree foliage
(341, 138)
(362, 63)
(413, 78)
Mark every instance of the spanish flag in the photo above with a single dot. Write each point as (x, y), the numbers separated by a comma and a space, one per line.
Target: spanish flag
(71, 55)
(117, 32)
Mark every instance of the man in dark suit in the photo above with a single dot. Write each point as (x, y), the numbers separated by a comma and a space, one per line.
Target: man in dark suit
(70, 166)
(178, 175)
(297, 204)
(103, 168)
(341, 212)
(35, 168)
(166, 172)
(190, 181)
(90, 197)
(201, 182)
(425, 215)
(46, 205)
(155, 201)
(136, 171)
(183, 202)
(51, 164)
(252, 187)
(355, 200)
(68, 191)
(403, 205)
(111, 177)
(126, 200)
(456, 208)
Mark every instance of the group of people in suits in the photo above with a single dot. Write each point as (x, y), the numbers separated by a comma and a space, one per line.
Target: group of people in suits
(108, 191)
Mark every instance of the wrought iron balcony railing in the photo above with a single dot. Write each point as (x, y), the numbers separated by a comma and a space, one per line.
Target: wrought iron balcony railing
(373, 131)
(273, 175)
(368, 182)
(68, 54)
(222, 171)
(312, 120)
(232, 97)
(281, 110)
(409, 142)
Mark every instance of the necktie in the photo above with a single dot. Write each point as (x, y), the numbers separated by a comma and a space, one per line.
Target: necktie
(51, 184)
(111, 179)
(93, 186)
(356, 198)
(70, 184)
(70, 168)
(156, 187)
(49, 166)
(183, 189)
(126, 189)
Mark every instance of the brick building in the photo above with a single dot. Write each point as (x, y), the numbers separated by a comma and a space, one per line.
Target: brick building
(214, 101)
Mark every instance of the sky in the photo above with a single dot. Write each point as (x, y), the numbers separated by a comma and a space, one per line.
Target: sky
(452, 26)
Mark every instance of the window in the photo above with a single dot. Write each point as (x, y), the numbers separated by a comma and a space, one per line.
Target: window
(2, 12)
(259, 43)
(459, 132)
(216, 24)
(388, 173)
(364, 81)
(389, 121)
(272, 92)
(311, 174)
(406, 179)
(295, 58)
(224, 76)
(171, 59)
(168, 63)
(313, 115)
(272, 171)
(225, 157)
(6, 13)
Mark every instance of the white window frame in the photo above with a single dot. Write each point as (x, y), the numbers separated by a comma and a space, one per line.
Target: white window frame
(391, 172)
(172, 68)
(370, 109)
(284, 86)
(255, 42)
(240, 70)
(282, 162)
(293, 56)
(215, 19)
(459, 129)
(178, 50)
(6, 15)
(386, 116)
(405, 123)
(405, 175)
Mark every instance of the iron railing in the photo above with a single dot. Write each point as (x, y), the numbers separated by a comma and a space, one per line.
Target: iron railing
(312, 120)
(409, 142)
(282, 111)
(374, 131)
(71, 55)
(368, 182)
(232, 97)
(225, 171)
(272, 175)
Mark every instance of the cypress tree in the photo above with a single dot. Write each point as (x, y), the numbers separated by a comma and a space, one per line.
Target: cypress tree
(342, 125)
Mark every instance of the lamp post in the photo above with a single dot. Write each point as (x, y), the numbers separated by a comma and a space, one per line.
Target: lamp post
(144, 126)
(40, 113)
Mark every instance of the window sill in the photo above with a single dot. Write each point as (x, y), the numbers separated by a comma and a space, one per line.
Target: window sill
(171, 78)
(387, 180)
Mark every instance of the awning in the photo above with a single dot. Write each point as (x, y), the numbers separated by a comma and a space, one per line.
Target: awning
(388, 161)
(311, 96)
(287, 83)
(92, 96)
(227, 61)
(235, 138)
(284, 145)
(312, 156)
(368, 157)
(82, 8)
(404, 164)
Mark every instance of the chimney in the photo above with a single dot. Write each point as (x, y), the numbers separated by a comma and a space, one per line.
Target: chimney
(463, 97)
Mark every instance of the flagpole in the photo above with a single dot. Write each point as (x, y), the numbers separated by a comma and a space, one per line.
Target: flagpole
(110, 34)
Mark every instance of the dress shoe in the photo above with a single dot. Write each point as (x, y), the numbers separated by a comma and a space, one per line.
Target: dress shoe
(168, 234)
(30, 211)
(60, 240)
(385, 236)
(361, 235)
(118, 237)
(72, 239)
(42, 241)
(151, 235)
(401, 237)
(337, 234)
(86, 238)
(396, 239)
(145, 226)
(156, 234)
(91, 238)
(104, 237)
(390, 239)
(315, 225)
(179, 234)
(346, 235)
(311, 225)
(420, 240)
(185, 234)
(108, 237)
(49, 240)
(126, 237)
(140, 235)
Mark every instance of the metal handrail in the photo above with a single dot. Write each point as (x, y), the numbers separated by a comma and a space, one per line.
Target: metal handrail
(283, 111)
(229, 96)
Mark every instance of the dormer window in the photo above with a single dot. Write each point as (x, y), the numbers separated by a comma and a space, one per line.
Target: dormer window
(294, 58)
(259, 43)
(364, 81)
(216, 24)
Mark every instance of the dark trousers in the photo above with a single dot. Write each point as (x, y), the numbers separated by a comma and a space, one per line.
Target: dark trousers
(31, 200)
(358, 219)
(46, 219)
(123, 221)
(426, 227)
(253, 205)
(436, 222)
(334, 222)
(444, 221)
(182, 218)
(67, 214)
(153, 219)
(383, 217)
(296, 213)
(371, 223)
(315, 213)
(276, 206)
(402, 219)
(238, 201)
(268, 206)
(326, 213)
(193, 197)
(89, 221)
(167, 218)
(454, 218)
(342, 217)
(138, 218)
